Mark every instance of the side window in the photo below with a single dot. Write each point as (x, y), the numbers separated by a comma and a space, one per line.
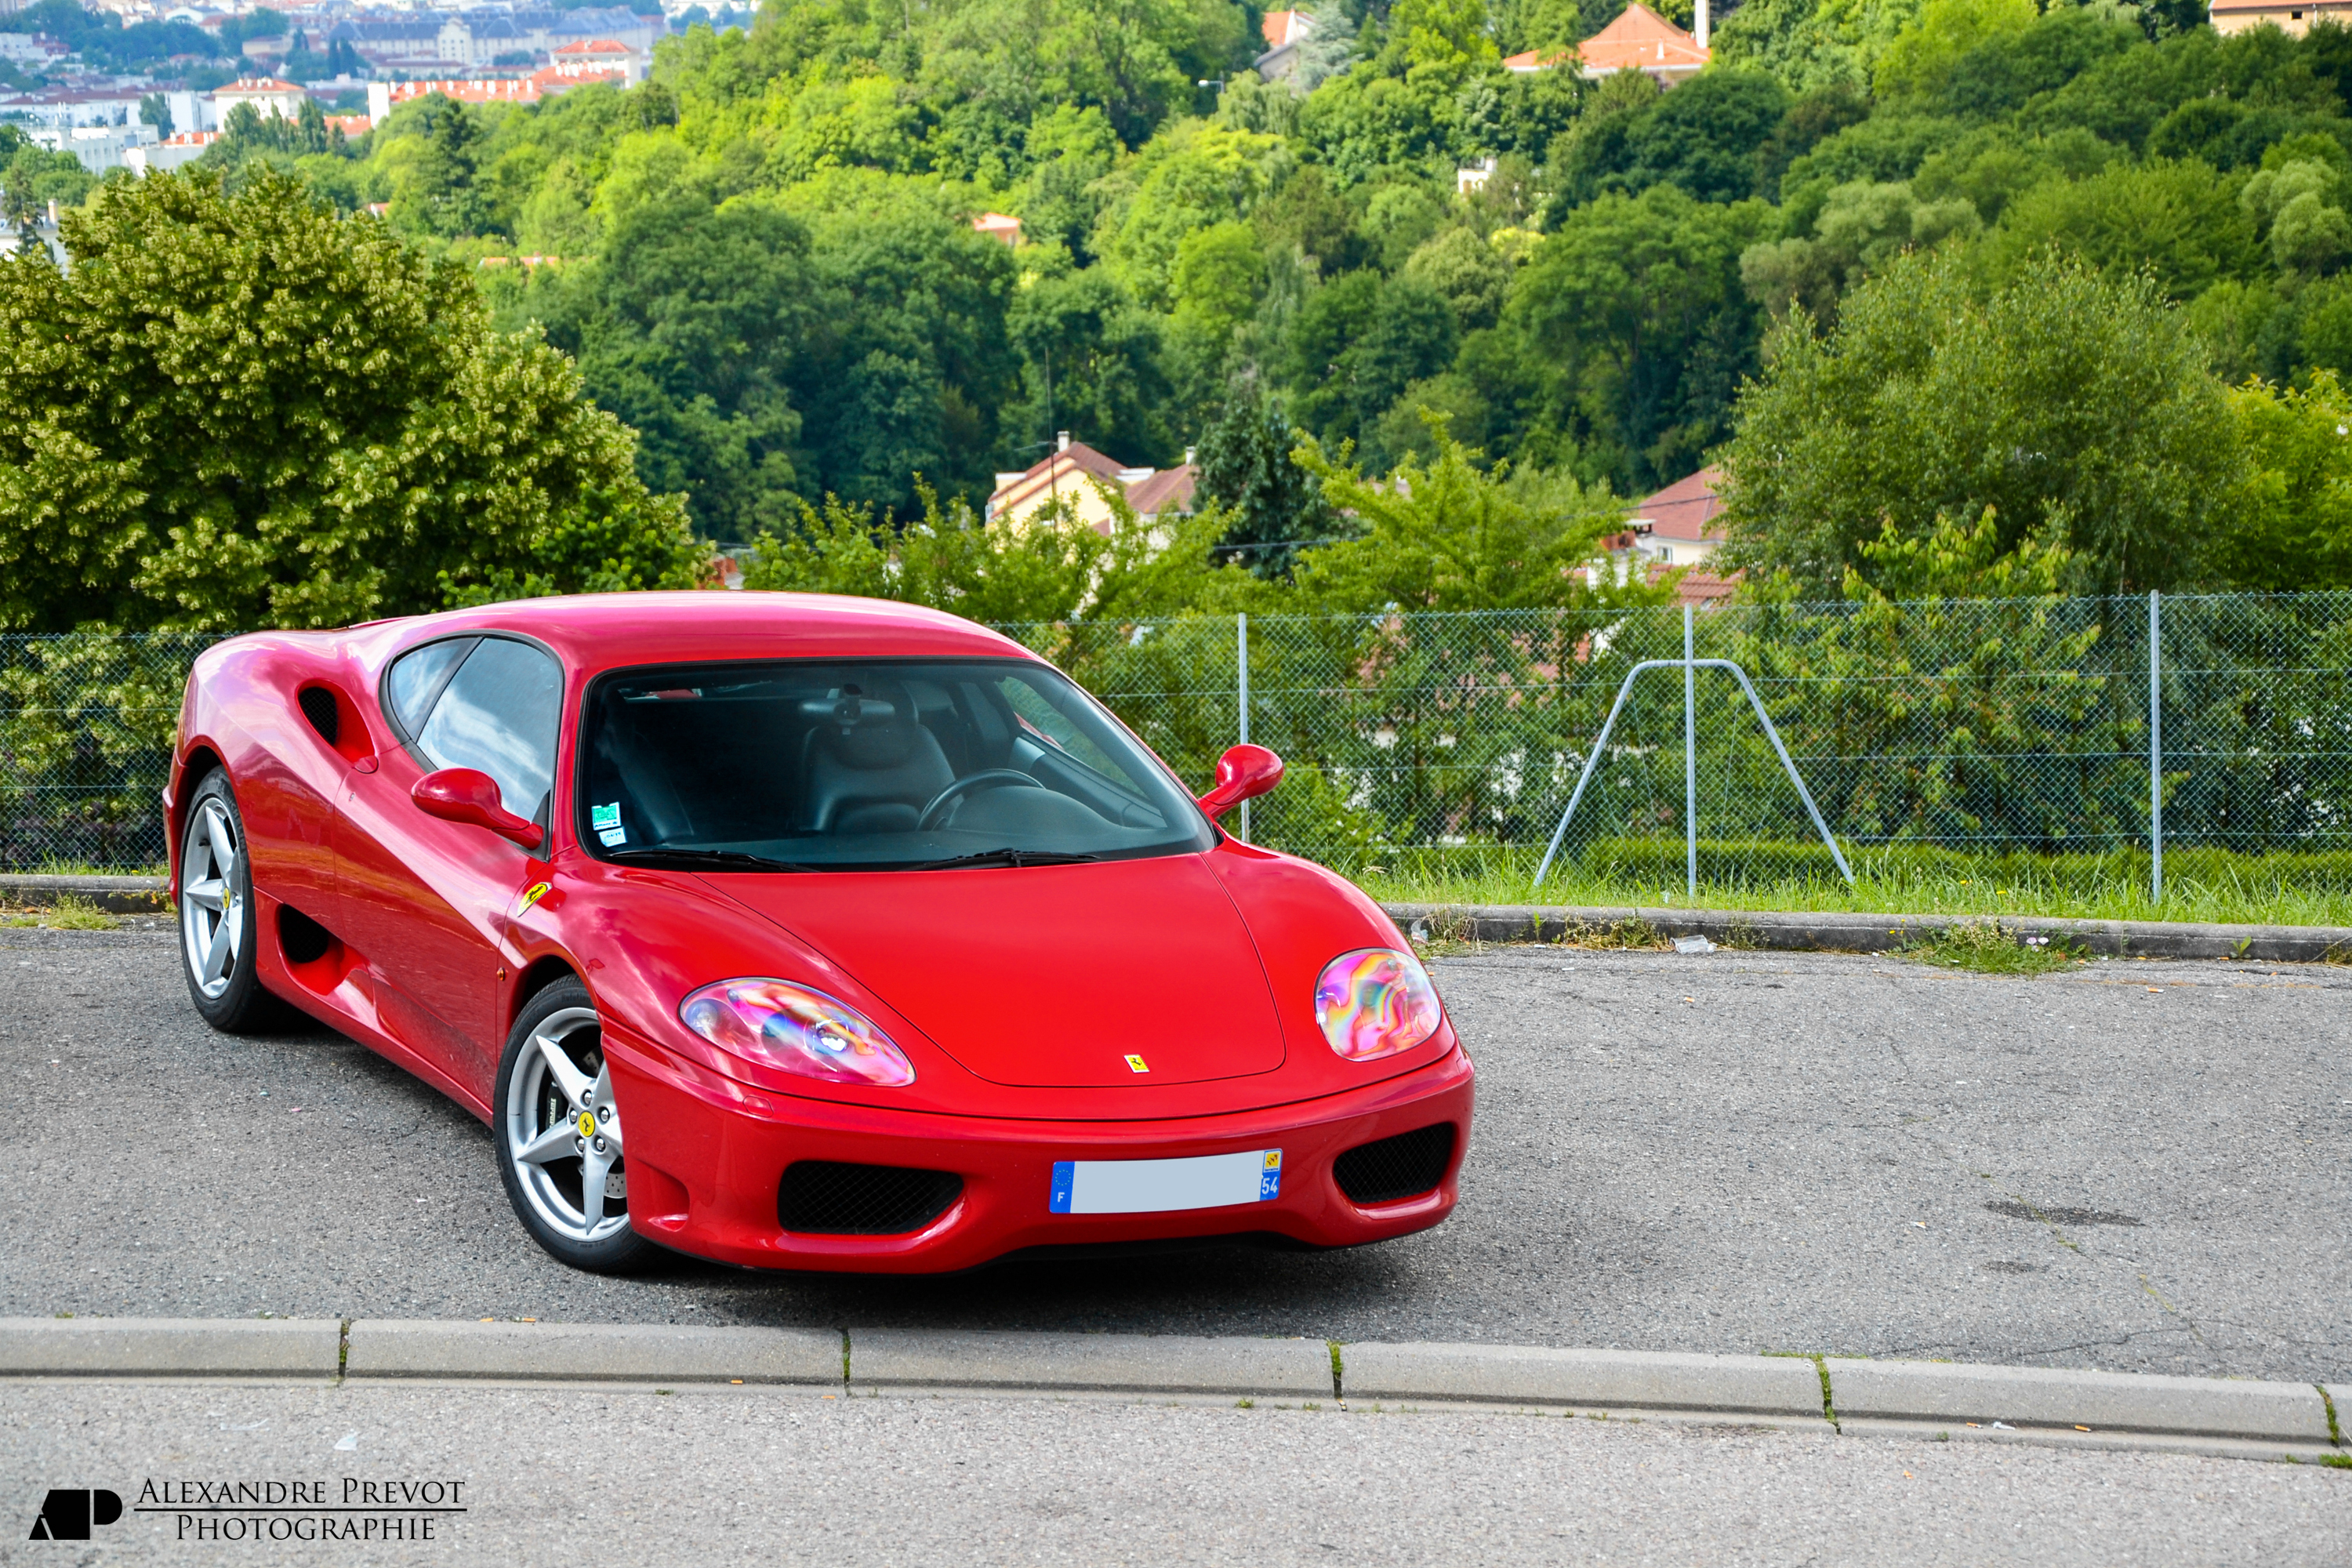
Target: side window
(417, 679)
(1037, 714)
(499, 713)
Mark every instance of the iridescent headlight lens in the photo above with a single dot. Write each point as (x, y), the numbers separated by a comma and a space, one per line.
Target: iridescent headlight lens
(778, 1023)
(1375, 1002)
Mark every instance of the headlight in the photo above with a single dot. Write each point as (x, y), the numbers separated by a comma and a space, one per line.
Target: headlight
(778, 1023)
(1375, 1002)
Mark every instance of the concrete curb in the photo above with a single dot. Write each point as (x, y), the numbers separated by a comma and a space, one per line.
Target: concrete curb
(1804, 932)
(593, 1353)
(115, 895)
(2029, 1396)
(885, 1359)
(169, 1347)
(1781, 1386)
(1938, 1397)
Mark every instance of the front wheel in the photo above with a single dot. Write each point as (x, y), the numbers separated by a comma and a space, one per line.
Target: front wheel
(559, 1135)
(218, 929)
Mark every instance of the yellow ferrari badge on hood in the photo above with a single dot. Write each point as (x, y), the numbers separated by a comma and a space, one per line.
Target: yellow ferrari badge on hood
(531, 896)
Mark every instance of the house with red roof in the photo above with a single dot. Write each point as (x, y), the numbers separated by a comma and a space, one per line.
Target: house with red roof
(1284, 31)
(1678, 529)
(595, 59)
(1003, 227)
(1639, 40)
(1085, 482)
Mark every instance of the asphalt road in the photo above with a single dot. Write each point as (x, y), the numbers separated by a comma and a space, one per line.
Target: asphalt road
(2136, 1166)
(570, 1476)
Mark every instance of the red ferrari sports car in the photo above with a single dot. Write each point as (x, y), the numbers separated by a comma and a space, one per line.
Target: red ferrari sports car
(804, 933)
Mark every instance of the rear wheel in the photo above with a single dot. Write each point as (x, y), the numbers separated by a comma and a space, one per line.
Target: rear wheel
(216, 918)
(559, 1135)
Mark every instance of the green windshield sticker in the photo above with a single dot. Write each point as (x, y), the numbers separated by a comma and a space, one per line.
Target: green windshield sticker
(604, 817)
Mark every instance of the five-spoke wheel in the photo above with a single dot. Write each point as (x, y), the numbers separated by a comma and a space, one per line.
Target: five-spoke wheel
(559, 1134)
(216, 917)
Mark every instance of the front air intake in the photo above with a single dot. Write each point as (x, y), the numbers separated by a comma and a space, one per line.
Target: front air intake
(1404, 1166)
(824, 1197)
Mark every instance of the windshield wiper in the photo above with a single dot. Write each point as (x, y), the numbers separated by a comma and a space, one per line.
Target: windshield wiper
(1005, 857)
(707, 859)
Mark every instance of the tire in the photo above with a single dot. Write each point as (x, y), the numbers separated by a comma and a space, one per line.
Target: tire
(218, 931)
(550, 1076)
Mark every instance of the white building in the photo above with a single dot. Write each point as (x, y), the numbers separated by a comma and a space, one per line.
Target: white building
(100, 147)
(269, 96)
(168, 153)
(57, 108)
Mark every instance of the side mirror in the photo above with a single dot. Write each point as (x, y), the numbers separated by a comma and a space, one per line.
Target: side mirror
(471, 796)
(1243, 773)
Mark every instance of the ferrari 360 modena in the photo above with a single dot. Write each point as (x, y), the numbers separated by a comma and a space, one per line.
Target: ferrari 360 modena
(804, 933)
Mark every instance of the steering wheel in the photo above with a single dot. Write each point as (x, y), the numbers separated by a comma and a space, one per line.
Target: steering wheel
(987, 778)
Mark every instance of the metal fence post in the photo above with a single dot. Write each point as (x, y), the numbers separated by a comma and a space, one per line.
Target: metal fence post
(1690, 755)
(2156, 743)
(1240, 691)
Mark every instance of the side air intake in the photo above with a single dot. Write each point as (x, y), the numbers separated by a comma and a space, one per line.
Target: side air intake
(1404, 1166)
(824, 1197)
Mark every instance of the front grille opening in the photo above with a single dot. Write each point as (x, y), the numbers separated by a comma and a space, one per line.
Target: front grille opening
(825, 1198)
(1404, 1166)
(319, 707)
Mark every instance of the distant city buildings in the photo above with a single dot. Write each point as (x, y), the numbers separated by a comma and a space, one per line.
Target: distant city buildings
(474, 53)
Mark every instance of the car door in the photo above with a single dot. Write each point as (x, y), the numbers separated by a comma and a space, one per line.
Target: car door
(427, 902)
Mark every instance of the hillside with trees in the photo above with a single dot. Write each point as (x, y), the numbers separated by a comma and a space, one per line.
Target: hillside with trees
(1864, 254)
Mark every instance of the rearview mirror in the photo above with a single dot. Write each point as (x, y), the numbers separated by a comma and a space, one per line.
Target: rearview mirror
(1244, 772)
(471, 796)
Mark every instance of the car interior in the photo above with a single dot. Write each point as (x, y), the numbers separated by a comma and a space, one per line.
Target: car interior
(842, 761)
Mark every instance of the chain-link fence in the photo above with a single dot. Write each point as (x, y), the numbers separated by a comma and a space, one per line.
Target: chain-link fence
(86, 726)
(1978, 736)
(2007, 737)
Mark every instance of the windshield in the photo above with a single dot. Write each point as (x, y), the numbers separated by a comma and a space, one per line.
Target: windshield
(792, 765)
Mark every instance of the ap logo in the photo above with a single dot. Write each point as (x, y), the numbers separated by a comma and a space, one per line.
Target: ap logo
(67, 1515)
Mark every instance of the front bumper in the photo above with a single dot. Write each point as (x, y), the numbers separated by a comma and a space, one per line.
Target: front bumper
(705, 1155)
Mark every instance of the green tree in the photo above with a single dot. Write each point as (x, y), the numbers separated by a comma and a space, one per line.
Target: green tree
(2072, 408)
(1047, 568)
(1922, 57)
(1448, 535)
(240, 412)
(1626, 336)
(2292, 530)
(440, 196)
(1356, 344)
(1272, 504)
(690, 326)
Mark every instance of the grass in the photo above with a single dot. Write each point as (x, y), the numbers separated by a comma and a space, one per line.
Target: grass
(68, 913)
(2199, 885)
(84, 869)
(1988, 947)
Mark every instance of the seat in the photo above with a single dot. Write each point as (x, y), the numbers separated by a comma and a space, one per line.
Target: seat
(874, 776)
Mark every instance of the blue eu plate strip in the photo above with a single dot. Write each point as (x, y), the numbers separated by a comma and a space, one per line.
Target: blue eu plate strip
(1066, 1177)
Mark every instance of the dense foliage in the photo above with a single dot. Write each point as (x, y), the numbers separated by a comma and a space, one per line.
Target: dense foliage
(236, 411)
(1962, 292)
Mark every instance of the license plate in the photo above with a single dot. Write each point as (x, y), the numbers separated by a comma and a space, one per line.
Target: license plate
(1160, 1187)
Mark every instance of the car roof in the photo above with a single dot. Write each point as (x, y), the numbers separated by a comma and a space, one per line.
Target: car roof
(591, 632)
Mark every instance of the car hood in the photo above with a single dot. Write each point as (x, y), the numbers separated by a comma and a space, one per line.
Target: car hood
(1049, 976)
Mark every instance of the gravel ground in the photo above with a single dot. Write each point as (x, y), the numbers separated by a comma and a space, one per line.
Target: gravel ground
(565, 1476)
(2137, 1166)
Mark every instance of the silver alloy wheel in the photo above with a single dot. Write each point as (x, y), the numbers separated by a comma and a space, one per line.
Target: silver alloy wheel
(564, 1132)
(212, 923)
